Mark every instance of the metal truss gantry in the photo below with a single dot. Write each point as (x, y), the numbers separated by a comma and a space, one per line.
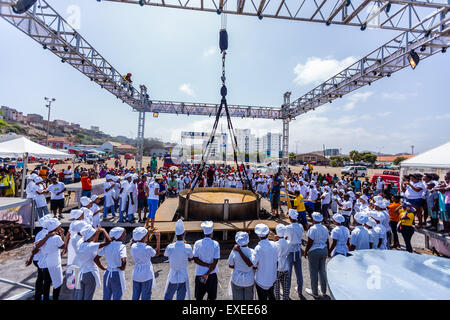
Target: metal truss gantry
(383, 14)
(425, 26)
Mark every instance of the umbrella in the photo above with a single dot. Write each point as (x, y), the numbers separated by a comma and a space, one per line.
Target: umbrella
(173, 168)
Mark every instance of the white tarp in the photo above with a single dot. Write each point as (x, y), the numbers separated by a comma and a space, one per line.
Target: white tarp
(438, 157)
(18, 147)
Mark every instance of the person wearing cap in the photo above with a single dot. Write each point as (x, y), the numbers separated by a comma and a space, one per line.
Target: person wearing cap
(115, 254)
(179, 254)
(86, 184)
(86, 205)
(36, 256)
(123, 197)
(299, 205)
(143, 275)
(432, 201)
(346, 208)
(325, 200)
(374, 237)
(50, 258)
(108, 193)
(316, 251)
(40, 200)
(68, 175)
(406, 227)
(56, 196)
(132, 197)
(89, 278)
(283, 273)
(379, 186)
(380, 229)
(76, 215)
(73, 245)
(95, 211)
(206, 256)
(242, 279)
(153, 194)
(293, 234)
(30, 185)
(359, 239)
(340, 235)
(275, 195)
(265, 259)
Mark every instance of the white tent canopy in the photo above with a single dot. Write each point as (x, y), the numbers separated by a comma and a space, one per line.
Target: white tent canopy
(437, 158)
(18, 147)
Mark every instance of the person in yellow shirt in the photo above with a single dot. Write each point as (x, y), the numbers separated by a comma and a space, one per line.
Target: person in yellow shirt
(406, 222)
(299, 205)
(4, 182)
(11, 192)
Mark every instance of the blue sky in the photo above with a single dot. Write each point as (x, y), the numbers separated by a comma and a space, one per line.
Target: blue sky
(174, 52)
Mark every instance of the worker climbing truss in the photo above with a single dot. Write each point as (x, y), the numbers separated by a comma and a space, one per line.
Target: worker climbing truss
(424, 26)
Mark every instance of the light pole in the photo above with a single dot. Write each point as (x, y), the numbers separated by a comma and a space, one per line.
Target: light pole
(48, 105)
(412, 149)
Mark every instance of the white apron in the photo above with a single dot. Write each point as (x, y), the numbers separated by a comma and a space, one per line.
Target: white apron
(139, 266)
(173, 273)
(96, 275)
(56, 275)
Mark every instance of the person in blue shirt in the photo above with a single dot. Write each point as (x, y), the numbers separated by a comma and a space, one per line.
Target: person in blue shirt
(357, 184)
(275, 195)
(162, 188)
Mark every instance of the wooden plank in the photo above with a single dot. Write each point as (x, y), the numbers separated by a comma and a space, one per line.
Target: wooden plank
(194, 226)
(167, 210)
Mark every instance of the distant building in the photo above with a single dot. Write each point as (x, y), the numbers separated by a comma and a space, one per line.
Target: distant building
(33, 117)
(125, 148)
(95, 128)
(331, 152)
(272, 144)
(390, 159)
(12, 114)
(314, 158)
(109, 146)
(61, 123)
(57, 143)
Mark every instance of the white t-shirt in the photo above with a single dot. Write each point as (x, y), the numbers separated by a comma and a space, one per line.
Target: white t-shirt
(86, 254)
(347, 208)
(68, 174)
(179, 254)
(327, 198)
(50, 253)
(206, 250)
(412, 194)
(243, 275)
(341, 235)
(283, 252)
(142, 254)
(265, 258)
(151, 190)
(360, 238)
(114, 252)
(39, 198)
(319, 234)
(56, 188)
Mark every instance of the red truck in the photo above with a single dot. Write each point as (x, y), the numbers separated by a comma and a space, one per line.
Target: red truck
(388, 177)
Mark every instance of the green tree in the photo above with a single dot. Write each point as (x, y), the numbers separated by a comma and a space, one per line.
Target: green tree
(333, 163)
(345, 159)
(398, 160)
(369, 157)
(354, 156)
(292, 156)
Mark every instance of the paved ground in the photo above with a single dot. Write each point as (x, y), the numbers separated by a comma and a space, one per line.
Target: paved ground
(12, 267)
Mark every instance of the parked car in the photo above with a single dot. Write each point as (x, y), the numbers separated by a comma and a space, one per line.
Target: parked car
(128, 156)
(388, 177)
(356, 170)
(91, 158)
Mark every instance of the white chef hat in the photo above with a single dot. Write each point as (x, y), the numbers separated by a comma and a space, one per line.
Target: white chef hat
(317, 216)
(75, 213)
(293, 214)
(360, 218)
(377, 198)
(241, 238)
(134, 176)
(339, 218)
(78, 225)
(42, 220)
(380, 204)
(94, 197)
(51, 224)
(38, 179)
(139, 233)
(115, 178)
(179, 227)
(280, 230)
(370, 222)
(207, 227)
(108, 177)
(261, 230)
(116, 232)
(87, 232)
(85, 201)
(33, 176)
(127, 175)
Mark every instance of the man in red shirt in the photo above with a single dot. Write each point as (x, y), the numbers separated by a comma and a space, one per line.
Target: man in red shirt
(86, 185)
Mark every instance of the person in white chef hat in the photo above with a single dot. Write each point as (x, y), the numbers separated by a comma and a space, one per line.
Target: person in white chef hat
(242, 279)
(132, 193)
(143, 275)
(73, 268)
(179, 254)
(206, 256)
(123, 197)
(86, 204)
(36, 255)
(316, 251)
(359, 239)
(50, 257)
(89, 278)
(265, 259)
(339, 235)
(115, 254)
(283, 273)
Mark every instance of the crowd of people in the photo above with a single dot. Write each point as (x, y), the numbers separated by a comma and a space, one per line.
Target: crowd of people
(337, 215)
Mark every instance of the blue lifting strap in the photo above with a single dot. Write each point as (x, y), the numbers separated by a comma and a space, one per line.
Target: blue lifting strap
(223, 40)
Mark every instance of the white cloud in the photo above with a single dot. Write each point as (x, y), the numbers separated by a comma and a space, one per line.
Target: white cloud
(210, 51)
(317, 69)
(186, 88)
(384, 114)
(356, 98)
(394, 96)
